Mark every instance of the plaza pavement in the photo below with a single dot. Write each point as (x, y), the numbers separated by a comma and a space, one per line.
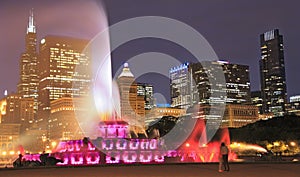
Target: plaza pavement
(162, 170)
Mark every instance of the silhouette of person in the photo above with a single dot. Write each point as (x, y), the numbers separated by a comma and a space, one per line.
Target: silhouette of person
(224, 152)
(20, 160)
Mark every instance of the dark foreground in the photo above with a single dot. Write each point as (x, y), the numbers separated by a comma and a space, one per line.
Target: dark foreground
(170, 170)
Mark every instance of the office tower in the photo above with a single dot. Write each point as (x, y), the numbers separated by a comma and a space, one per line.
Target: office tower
(63, 70)
(180, 86)
(28, 83)
(236, 88)
(63, 124)
(132, 104)
(190, 84)
(272, 73)
(146, 90)
(256, 100)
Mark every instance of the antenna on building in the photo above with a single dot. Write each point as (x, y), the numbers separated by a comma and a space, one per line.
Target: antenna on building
(31, 26)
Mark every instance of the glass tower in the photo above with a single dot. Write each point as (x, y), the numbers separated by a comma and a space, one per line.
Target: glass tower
(272, 73)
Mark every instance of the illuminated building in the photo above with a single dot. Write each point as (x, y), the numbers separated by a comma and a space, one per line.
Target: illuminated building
(17, 110)
(294, 99)
(132, 104)
(9, 141)
(167, 111)
(237, 86)
(28, 83)
(63, 124)
(2, 108)
(294, 105)
(58, 59)
(180, 86)
(256, 100)
(272, 73)
(158, 112)
(146, 90)
(238, 115)
(235, 115)
(190, 84)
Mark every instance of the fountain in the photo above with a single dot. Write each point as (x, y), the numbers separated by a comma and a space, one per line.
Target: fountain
(108, 141)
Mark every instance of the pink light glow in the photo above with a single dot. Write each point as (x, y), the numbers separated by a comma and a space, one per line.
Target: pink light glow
(134, 144)
(118, 150)
(144, 144)
(159, 158)
(115, 159)
(92, 158)
(145, 157)
(107, 144)
(153, 144)
(130, 157)
(76, 159)
(32, 157)
(123, 146)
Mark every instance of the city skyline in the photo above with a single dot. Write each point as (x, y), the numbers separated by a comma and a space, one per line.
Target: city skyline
(217, 33)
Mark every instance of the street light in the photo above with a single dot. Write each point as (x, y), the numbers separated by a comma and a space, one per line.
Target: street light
(53, 144)
(276, 143)
(293, 143)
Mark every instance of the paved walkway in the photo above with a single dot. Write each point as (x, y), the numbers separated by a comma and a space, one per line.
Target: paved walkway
(171, 170)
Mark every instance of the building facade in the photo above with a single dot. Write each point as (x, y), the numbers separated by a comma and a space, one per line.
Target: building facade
(272, 73)
(132, 103)
(190, 84)
(236, 115)
(235, 89)
(28, 83)
(146, 90)
(63, 124)
(180, 86)
(157, 113)
(294, 105)
(59, 59)
(9, 142)
(18, 110)
(256, 99)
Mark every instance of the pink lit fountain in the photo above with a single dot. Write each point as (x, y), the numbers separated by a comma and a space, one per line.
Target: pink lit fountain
(108, 141)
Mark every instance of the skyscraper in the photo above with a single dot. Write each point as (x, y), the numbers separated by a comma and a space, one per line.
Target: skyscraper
(28, 83)
(59, 60)
(190, 84)
(257, 100)
(146, 90)
(236, 88)
(272, 73)
(132, 103)
(180, 86)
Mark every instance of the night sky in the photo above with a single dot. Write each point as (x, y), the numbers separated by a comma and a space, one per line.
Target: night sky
(231, 27)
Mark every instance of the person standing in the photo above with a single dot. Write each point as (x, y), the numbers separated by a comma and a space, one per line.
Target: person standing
(224, 151)
(220, 161)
